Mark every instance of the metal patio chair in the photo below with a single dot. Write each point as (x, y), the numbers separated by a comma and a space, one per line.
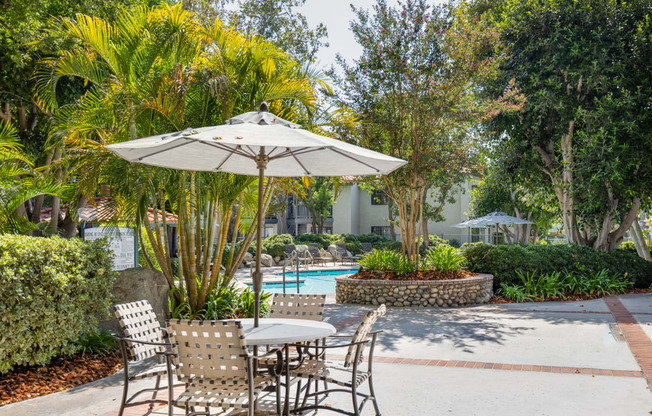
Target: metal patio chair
(297, 306)
(351, 259)
(214, 363)
(316, 254)
(348, 376)
(143, 338)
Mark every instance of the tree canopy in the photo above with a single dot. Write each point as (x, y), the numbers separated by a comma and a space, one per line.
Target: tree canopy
(585, 69)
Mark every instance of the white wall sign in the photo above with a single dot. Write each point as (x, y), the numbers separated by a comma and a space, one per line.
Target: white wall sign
(123, 244)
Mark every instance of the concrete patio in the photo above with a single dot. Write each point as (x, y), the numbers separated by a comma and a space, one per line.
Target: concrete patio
(553, 359)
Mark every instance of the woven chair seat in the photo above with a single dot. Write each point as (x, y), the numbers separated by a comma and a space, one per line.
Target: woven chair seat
(222, 394)
(330, 372)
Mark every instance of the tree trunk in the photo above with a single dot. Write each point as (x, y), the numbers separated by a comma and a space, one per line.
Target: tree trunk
(424, 220)
(639, 241)
(390, 216)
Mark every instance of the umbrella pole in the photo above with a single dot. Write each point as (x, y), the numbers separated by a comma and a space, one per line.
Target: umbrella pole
(261, 161)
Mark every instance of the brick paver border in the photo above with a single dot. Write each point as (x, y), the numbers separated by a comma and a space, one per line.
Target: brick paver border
(638, 341)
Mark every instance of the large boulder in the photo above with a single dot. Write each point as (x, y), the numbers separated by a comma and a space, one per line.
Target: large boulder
(137, 284)
(336, 252)
(248, 257)
(266, 260)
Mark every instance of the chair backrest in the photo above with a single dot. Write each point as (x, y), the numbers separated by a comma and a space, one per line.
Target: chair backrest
(209, 351)
(139, 322)
(362, 333)
(366, 247)
(314, 252)
(289, 248)
(297, 306)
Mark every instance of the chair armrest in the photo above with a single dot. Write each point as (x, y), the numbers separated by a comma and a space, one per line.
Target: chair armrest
(138, 341)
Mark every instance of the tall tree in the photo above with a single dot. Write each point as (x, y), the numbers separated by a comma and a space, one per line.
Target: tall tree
(279, 22)
(585, 69)
(415, 89)
(155, 70)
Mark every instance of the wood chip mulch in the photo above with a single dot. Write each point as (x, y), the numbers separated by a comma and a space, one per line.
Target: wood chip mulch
(63, 373)
(418, 275)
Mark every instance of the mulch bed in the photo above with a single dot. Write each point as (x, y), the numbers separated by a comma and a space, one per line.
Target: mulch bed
(503, 299)
(63, 373)
(418, 275)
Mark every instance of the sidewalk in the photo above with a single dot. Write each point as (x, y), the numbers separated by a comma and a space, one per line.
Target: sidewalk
(553, 359)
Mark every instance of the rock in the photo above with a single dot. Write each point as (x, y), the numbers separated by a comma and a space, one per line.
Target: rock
(336, 252)
(137, 284)
(381, 299)
(277, 259)
(266, 260)
(248, 257)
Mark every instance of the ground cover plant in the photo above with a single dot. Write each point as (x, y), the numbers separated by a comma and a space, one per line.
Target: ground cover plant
(562, 285)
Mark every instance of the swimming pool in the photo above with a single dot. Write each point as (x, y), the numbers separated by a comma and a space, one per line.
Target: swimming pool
(314, 281)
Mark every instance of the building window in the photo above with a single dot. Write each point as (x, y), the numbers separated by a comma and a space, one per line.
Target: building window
(385, 231)
(378, 198)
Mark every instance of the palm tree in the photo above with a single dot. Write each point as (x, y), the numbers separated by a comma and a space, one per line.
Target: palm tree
(18, 183)
(156, 70)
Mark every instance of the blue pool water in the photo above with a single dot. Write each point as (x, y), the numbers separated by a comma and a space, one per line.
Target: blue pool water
(314, 281)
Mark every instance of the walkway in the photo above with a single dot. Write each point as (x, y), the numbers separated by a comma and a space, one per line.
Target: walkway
(553, 359)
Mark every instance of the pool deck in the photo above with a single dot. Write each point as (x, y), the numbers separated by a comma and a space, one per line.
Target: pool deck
(546, 358)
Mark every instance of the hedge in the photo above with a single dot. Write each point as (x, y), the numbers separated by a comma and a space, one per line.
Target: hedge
(504, 260)
(51, 291)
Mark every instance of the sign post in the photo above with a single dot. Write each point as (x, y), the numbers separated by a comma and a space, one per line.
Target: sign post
(124, 244)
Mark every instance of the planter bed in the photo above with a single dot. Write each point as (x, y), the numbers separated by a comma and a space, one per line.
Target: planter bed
(428, 293)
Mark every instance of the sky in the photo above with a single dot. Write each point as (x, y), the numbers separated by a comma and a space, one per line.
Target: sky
(336, 15)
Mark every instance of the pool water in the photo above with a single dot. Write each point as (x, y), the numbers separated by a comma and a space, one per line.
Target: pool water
(314, 281)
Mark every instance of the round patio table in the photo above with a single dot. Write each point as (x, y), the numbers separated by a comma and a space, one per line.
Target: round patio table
(277, 331)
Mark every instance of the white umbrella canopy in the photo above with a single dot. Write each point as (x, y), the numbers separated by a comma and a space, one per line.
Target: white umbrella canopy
(493, 218)
(256, 143)
(232, 147)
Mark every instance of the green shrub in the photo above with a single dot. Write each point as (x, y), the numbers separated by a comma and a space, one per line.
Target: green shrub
(97, 342)
(376, 240)
(355, 247)
(628, 246)
(443, 258)
(322, 240)
(274, 245)
(503, 261)
(225, 303)
(388, 260)
(51, 292)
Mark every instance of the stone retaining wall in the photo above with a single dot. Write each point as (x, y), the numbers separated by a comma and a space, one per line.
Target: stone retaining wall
(434, 293)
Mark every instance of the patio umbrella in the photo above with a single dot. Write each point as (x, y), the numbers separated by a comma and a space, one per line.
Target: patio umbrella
(494, 218)
(256, 143)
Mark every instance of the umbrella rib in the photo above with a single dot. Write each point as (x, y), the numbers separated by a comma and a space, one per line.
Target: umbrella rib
(269, 155)
(300, 151)
(301, 164)
(223, 162)
(185, 142)
(352, 158)
(228, 149)
(251, 151)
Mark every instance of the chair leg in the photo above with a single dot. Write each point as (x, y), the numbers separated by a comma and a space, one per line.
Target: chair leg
(156, 387)
(296, 398)
(123, 402)
(278, 395)
(372, 393)
(354, 395)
